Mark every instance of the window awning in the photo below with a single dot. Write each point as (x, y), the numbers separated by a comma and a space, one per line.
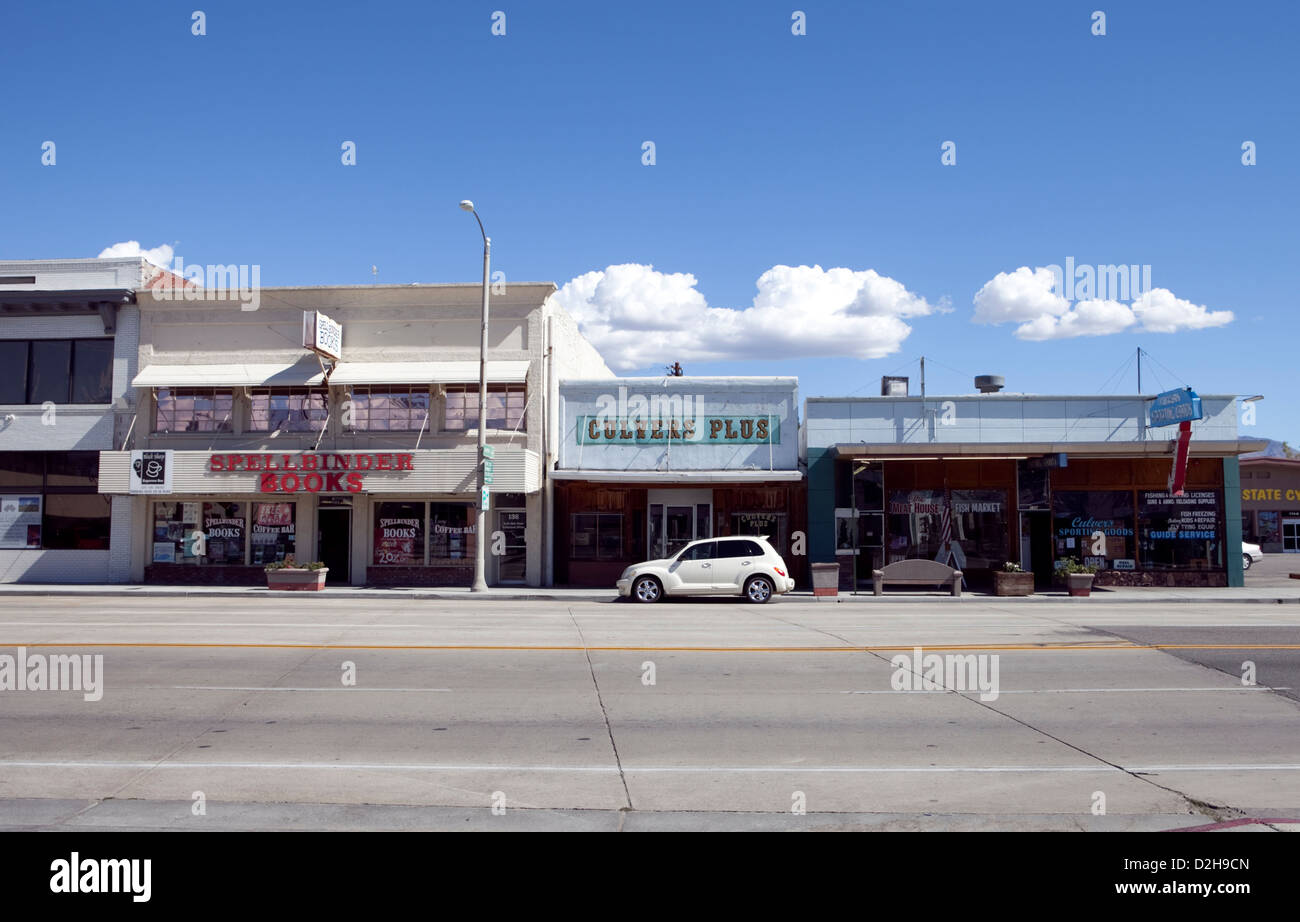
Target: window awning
(299, 374)
(307, 372)
(736, 476)
(427, 372)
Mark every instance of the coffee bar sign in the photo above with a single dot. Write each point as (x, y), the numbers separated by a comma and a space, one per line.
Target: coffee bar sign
(311, 472)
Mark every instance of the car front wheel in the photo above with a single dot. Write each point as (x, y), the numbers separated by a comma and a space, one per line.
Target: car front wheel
(1245, 561)
(647, 589)
(758, 589)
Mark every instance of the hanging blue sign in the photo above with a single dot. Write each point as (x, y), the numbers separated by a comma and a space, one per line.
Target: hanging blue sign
(1178, 406)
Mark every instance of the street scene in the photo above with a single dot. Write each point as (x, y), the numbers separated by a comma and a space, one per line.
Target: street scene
(583, 417)
(575, 714)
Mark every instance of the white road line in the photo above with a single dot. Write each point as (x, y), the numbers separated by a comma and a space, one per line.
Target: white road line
(655, 769)
(280, 688)
(1080, 691)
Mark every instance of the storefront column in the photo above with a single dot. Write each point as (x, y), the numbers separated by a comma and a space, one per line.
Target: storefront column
(1232, 523)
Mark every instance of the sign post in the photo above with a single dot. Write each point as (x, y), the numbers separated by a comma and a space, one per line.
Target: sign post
(1177, 406)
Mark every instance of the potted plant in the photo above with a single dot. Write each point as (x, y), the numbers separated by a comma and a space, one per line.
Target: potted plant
(1012, 580)
(1078, 577)
(290, 576)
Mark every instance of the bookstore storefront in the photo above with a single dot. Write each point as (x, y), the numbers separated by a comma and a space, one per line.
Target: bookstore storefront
(399, 518)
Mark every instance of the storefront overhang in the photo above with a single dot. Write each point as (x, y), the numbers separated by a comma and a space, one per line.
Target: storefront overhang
(991, 451)
(303, 373)
(240, 472)
(427, 372)
(679, 476)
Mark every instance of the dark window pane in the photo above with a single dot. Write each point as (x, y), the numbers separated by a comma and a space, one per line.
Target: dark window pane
(21, 470)
(13, 362)
(48, 377)
(450, 531)
(76, 521)
(92, 371)
(72, 469)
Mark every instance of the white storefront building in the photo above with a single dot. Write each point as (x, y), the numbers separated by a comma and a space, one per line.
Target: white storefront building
(246, 448)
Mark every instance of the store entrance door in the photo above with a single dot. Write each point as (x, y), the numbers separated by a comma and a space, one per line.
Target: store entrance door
(1291, 536)
(334, 543)
(678, 517)
(1036, 546)
(512, 562)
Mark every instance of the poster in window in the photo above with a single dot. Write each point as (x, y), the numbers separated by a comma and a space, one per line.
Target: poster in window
(397, 540)
(20, 521)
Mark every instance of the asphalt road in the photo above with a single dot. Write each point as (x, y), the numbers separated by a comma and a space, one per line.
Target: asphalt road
(713, 715)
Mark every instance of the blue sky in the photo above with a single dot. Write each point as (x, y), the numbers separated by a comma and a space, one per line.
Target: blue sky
(771, 150)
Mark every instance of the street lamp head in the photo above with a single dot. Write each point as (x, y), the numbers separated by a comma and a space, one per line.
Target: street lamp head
(467, 205)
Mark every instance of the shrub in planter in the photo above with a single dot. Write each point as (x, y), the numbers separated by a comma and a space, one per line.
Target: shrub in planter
(1078, 577)
(290, 576)
(1012, 581)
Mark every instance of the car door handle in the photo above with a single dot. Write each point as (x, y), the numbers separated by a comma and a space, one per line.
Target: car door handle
(706, 565)
(745, 563)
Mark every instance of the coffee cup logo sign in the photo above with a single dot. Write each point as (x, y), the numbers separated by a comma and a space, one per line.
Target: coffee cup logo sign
(151, 471)
(311, 472)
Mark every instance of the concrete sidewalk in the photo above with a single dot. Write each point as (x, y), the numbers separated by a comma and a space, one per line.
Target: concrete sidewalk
(1261, 595)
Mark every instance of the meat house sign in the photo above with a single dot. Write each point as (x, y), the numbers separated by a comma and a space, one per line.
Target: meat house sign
(310, 472)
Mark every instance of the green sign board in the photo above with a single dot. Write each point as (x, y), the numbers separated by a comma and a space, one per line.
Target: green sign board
(703, 430)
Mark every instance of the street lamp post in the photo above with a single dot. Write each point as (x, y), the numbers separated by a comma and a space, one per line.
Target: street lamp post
(480, 584)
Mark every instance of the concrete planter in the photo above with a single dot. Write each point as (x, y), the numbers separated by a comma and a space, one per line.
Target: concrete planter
(1008, 583)
(826, 581)
(293, 579)
(1080, 583)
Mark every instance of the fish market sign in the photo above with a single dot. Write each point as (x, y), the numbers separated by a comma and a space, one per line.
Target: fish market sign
(1178, 406)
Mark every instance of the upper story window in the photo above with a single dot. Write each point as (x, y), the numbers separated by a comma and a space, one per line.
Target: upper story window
(505, 407)
(387, 408)
(56, 370)
(288, 409)
(194, 409)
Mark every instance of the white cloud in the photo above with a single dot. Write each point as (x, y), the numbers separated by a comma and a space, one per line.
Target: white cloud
(1027, 297)
(637, 316)
(160, 255)
(1161, 312)
(1025, 294)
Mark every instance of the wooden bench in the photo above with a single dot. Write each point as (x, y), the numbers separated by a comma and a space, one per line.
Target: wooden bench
(916, 572)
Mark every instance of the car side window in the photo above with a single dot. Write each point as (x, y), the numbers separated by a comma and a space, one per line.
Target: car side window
(754, 549)
(735, 548)
(705, 551)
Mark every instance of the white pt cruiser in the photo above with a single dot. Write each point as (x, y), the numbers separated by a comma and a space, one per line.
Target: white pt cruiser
(715, 566)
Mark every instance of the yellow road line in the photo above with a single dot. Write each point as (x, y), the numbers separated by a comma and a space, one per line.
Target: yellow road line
(904, 648)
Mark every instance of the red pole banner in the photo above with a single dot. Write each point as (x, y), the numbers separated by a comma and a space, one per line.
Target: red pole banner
(1178, 476)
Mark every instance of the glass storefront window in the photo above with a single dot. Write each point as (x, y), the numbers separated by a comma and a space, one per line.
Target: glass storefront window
(77, 521)
(1270, 528)
(451, 531)
(597, 537)
(399, 534)
(1078, 517)
(761, 524)
(1180, 532)
(174, 525)
(223, 530)
(20, 521)
(273, 532)
(914, 526)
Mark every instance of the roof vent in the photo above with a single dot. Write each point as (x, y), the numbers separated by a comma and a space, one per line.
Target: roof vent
(989, 384)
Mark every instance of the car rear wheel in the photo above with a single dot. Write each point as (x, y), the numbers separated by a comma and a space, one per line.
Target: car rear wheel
(1245, 561)
(758, 589)
(647, 589)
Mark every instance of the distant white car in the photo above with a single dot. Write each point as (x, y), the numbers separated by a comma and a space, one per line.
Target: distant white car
(744, 566)
(1249, 554)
